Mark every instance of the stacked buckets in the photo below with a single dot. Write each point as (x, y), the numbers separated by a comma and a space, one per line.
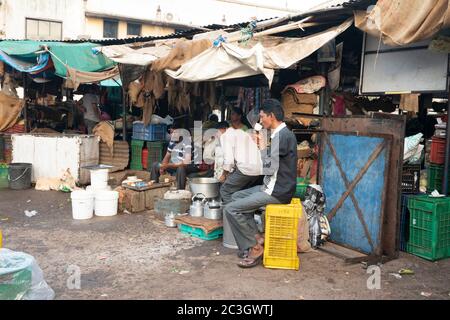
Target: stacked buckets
(97, 197)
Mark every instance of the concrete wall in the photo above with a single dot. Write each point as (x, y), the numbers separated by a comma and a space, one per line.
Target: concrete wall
(14, 12)
(198, 12)
(94, 28)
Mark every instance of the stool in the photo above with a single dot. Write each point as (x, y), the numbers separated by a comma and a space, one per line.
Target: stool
(280, 249)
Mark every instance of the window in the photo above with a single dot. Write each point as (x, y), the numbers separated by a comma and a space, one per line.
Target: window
(43, 29)
(110, 28)
(133, 29)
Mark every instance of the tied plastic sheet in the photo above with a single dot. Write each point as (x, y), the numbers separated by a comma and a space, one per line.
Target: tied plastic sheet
(314, 205)
(413, 149)
(21, 278)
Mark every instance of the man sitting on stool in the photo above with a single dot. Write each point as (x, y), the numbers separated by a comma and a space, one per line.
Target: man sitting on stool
(279, 160)
(177, 160)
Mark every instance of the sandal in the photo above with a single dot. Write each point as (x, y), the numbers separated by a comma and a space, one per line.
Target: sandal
(250, 262)
(243, 253)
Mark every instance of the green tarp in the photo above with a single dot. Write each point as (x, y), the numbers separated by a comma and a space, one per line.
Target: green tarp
(79, 56)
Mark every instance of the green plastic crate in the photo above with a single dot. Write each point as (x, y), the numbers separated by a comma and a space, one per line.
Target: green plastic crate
(3, 176)
(429, 228)
(300, 190)
(136, 154)
(435, 176)
(156, 151)
(199, 233)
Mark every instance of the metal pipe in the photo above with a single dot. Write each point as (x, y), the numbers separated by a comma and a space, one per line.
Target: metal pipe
(447, 152)
(323, 93)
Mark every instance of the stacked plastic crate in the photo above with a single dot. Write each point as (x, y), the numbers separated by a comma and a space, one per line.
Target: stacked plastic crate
(429, 227)
(154, 135)
(410, 186)
(435, 170)
(429, 217)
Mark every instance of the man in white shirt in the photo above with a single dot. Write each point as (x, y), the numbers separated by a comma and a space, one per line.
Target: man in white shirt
(90, 103)
(242, 167)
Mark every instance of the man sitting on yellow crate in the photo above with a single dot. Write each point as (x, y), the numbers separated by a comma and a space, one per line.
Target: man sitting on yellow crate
(279, 158)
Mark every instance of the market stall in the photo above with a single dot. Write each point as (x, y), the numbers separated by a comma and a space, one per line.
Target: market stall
(319, 64)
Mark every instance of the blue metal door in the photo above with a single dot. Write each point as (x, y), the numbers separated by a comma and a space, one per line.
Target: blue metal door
(353, 179)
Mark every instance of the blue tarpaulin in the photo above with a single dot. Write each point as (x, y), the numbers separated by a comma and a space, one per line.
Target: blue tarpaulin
(42, 62)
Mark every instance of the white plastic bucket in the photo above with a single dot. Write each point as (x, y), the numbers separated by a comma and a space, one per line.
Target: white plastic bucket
(82, 204)
(91, 189)
(106, 203)
(99, 179)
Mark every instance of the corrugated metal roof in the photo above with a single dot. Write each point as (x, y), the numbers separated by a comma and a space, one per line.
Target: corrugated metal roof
(348, 4)
(179, 34)
(328, 9)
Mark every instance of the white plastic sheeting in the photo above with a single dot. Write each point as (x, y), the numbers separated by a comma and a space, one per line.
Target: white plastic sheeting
(229, 61)
(135, 55)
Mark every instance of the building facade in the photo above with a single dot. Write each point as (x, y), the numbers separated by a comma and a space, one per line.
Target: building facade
(73, 19)
(99, 19)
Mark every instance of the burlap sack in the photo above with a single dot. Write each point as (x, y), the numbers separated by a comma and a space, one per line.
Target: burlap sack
(303, 244)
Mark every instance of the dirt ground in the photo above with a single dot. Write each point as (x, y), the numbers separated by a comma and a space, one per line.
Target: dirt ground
(137, 257)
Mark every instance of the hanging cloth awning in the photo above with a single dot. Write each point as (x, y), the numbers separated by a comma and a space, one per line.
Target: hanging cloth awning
(400, 23)
(230, 61)
(133, 54)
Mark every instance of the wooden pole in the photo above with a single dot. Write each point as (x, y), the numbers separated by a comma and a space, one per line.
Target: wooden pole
(124, 115)
(25, 107)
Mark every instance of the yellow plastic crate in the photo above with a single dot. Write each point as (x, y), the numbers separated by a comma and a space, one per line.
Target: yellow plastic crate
(280, 248)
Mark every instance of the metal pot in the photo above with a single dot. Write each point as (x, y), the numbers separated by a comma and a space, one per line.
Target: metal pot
(169, 220)
(213, 210)
(209, 187)
(197, 207)
(177, 194)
